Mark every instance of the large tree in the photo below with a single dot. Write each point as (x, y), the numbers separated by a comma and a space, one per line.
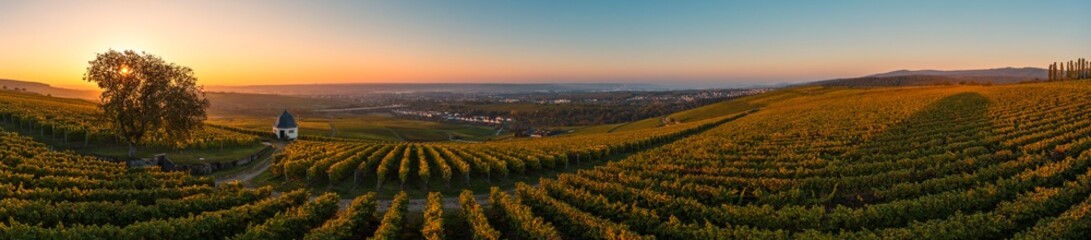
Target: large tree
(142, 95)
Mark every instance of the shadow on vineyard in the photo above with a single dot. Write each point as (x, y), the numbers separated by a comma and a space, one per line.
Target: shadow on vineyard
(960, 118)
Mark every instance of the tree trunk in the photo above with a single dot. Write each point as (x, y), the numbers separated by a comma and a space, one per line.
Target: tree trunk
(356, 178)
(132, 150)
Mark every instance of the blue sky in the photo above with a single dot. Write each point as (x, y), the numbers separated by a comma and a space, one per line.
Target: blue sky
(690, 42)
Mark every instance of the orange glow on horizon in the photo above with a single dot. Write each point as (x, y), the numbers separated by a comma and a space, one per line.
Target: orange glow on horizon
(231, 43)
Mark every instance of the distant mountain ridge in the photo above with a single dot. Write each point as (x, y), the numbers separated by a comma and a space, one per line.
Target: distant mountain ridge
(940, 77)
(1026, 72)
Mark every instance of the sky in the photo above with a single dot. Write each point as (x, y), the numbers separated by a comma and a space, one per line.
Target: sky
(708, 43)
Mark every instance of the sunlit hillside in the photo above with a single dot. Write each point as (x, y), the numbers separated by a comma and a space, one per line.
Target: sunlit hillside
(545, 120)
(809, 162)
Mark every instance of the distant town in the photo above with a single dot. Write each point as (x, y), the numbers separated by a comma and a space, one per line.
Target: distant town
(450, 116)
(519, 110)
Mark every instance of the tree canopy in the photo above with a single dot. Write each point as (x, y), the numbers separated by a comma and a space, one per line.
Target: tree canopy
(143, 94)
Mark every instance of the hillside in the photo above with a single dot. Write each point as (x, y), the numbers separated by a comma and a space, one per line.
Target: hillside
(1027, 72)
(915, 80)
(723, 108)
(224, 104)
(936, 77)
(46, 89)
(74, 124)
(714, 110)
(933, 162)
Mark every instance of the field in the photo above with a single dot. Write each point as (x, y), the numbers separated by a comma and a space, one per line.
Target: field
(263, 105)
(932, 162)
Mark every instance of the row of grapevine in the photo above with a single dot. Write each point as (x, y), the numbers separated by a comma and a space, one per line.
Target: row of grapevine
(393, 219)
(332, 161)
(944, 162)
(433, 218)
(950, 162)
(474, 215)
(360, 216)
(63, 195)
(520, 219)
(81, 122)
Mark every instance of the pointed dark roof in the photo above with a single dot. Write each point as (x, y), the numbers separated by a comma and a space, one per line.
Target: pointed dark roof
(285, 120)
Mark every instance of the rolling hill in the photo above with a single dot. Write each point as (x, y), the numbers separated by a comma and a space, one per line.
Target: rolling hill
(937, 77)
(1027, 72)
(934, 162)
(46, 89)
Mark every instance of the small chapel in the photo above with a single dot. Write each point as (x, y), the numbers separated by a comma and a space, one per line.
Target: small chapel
(285, 127)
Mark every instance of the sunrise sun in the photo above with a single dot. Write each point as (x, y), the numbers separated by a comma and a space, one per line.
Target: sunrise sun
(125, 70)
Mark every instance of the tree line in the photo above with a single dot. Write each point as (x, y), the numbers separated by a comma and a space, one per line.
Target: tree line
(1072, 70)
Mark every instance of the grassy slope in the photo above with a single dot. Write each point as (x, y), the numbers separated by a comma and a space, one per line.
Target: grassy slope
(642, 124)
(604, 128)
(226, 154)
(746, 103)
(257, 112)
(728, 107)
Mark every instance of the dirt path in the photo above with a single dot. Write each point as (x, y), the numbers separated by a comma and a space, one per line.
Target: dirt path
(333, 130)
(451, 137)
(399, 136)
(255, 170)
(417, 205)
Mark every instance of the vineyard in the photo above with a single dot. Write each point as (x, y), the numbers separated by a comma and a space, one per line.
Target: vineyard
(334, 162)
(79, 123)
(943, 162)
